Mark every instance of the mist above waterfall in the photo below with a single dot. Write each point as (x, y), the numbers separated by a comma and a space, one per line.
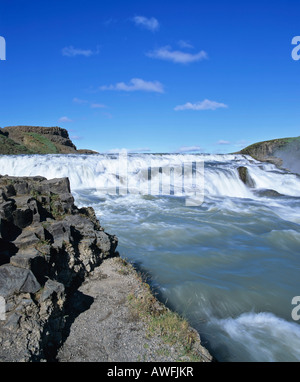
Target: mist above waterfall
(290, 156)
(153, 174)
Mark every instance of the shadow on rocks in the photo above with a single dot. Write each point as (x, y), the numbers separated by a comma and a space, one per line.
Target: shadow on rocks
(77, 303)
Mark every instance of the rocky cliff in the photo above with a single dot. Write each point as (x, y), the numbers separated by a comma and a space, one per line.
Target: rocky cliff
(61, 283)
(283, 152)
(37, 140)
(47, 247)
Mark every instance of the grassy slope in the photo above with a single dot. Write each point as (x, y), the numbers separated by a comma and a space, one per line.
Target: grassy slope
(255, 150)
(10, 147)
(40, 144)
(33, 144)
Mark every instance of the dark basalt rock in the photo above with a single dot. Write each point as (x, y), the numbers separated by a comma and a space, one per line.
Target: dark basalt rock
(245, 177)
(47, 248)
(17, 280)
(15, 140)
(268, 193)
(284, 153)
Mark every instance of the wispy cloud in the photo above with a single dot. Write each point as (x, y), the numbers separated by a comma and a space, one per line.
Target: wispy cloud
(76, 137)
(124, 150)
(242, 143)
(109, 22)
(222, 142)
(151, 24)
(79, 101)
(203, 105)
(185, 44)
(70, 51)
(97, 106)
(188, 149)
(166, 53)
(65, 119)
(136, 84)
(93, 105)
(140, 150)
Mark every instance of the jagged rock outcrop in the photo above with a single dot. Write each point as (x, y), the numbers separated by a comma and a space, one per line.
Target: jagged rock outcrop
(269, 193)
(245, 176)
(37, 140)
(282, 152)
(47, 247)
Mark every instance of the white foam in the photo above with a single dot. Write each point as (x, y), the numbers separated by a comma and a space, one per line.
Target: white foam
(261, 336)
(101, 171)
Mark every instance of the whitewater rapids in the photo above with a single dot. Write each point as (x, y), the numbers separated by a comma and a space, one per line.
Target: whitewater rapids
(230, 263)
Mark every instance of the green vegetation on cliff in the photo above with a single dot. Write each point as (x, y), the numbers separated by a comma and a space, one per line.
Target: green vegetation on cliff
(15, 140)
(10, 147)
(40, 144)
(283, 152)
(267, 148)
(33, 144)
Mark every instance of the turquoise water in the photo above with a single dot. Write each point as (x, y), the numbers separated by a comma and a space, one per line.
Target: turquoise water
(231, 269)
(230, 265)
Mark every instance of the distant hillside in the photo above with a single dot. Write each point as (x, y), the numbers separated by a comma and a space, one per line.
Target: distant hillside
(16, 140)
(283, 152)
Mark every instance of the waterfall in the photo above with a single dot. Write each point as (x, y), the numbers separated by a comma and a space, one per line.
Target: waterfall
(231, 265)
(155, 174)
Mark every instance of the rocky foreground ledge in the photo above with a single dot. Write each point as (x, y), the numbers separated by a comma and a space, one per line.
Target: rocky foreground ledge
(49, 251)
(47, 248)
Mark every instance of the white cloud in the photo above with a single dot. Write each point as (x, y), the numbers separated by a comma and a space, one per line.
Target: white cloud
(76, 137)
(79, 101)
(186, 149)
(123, 150)
(97, 106)
(242, 143)
(185, 44)
(203, 105)
(109, 22)
(70, 51)
(136, 84)
(64, 119)
(222, 142)
(151, 24)
(92, 105)
(177, 56)
(139, 150)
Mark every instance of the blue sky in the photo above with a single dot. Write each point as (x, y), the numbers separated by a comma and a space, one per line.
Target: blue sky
(152, 76)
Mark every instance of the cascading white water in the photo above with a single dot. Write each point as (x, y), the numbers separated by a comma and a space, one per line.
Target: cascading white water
(229, 264)
(102, 172)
